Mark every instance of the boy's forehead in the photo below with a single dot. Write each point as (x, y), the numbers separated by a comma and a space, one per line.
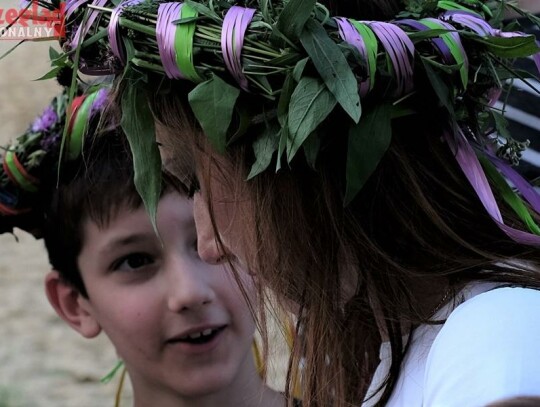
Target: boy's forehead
(128, 225)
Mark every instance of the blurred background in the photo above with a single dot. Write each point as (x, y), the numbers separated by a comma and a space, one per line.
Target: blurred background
(43, 363)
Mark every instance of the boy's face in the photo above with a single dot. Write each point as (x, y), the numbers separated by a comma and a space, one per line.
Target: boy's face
(181, 326)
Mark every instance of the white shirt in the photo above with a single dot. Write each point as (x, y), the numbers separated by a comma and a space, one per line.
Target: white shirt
(488, 349)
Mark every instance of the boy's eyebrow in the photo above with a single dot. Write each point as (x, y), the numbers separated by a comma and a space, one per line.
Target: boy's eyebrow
(119, 242)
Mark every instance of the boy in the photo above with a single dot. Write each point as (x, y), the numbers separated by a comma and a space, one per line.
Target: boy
(182, 327)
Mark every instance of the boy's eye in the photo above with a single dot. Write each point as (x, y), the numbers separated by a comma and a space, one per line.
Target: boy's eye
(133, 262)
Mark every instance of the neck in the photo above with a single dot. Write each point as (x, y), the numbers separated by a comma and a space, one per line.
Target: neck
(246, 390)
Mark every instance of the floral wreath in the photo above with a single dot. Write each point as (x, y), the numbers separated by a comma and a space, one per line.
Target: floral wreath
(35, 155)
(301, 65)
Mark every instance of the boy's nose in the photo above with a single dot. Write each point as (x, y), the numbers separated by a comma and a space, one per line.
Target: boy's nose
(207, 246)
(188, 288)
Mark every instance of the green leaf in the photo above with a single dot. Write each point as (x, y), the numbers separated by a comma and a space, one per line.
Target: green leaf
(204, 10)
(439, 87)
(312, 145)
(284, 99)
(213, 103)
(138, 124)
(283, 138)
(294, 16)
(49, 75)
(333, 68)
(512, 47)
(299, 69)
(53, 54)
(311, 102)
(368, 142)
(501, 124)
(264, 148)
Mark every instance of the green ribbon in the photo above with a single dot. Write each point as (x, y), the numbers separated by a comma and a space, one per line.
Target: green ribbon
(20, 178)
(455, 49)
(371, 44)
(184, 44)
(509, 196)
(76, 138)
(451, 5)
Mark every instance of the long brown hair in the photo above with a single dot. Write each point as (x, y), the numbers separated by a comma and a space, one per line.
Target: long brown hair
(415, 233)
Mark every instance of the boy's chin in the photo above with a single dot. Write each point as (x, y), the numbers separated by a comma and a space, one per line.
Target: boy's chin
(201, 384)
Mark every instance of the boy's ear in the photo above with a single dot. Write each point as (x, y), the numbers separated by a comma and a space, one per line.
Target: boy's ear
(70, 305)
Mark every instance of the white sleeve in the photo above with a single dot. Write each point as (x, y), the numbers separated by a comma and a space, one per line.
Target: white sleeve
(488, 349)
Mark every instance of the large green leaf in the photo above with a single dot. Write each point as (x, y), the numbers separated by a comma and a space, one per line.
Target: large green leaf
(311, 102)
(368, 142)
(439, 86)
(333, 67)
(284, 99)
(213, 105)
(512, 47)
(138, 125)
(294, 16)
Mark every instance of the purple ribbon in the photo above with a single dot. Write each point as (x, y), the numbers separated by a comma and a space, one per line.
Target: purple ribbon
(469, 20)
(72, 5)
(437, 42)
(83, 30)
(536, 58)
(113, 28)
(234, 29)
(166, 35)
(471, 167)
(400, 49)
(350, 35)
(522, 185)
(477, 24)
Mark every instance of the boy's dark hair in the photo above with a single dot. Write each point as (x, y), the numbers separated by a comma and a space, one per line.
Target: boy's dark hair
(94, 186)
(91, 188)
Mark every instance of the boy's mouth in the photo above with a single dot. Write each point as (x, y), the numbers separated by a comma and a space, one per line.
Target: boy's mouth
(198, 337)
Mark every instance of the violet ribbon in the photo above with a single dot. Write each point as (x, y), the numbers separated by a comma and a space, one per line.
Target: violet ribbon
(235, 24)
(400, 49)
(483, 28)
(165, 34)
(437, 42)
(113, 28)
(72, 5)
(469, 20)
(350, 35)
(521, 184)
(83, 30)
(536, 58)
(472, 169)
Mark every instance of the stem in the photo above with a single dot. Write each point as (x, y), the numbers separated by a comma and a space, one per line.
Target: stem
(147, 65)
(137, 27)
(102, 9)
(262, 52)
(146, 55)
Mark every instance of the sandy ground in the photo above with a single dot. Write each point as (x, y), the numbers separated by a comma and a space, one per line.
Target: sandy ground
(43, 363)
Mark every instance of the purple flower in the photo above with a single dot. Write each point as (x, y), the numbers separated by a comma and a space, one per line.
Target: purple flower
(47, 120)
(99, 102)
(50, 142)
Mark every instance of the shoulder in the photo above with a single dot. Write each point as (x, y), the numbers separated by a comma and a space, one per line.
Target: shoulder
(510, 305)
(487, 349)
